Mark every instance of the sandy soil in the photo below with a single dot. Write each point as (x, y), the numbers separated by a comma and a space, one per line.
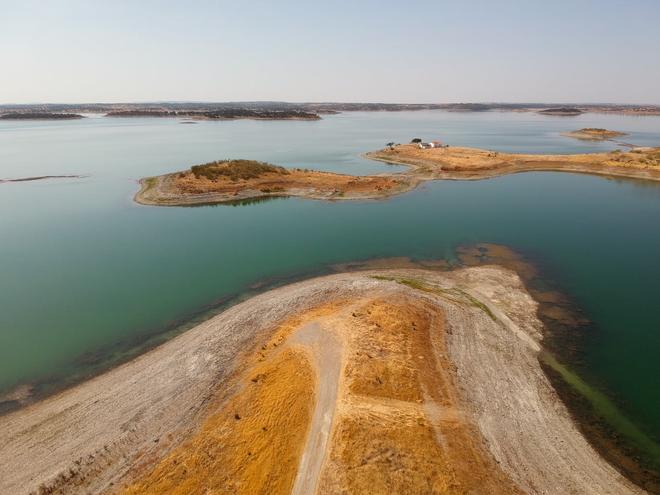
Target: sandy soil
(451, 163)
(407, 381)
(472, 163)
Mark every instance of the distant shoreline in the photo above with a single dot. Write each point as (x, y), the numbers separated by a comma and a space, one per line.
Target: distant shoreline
(228, 114)
(40, 116)
(309, 110)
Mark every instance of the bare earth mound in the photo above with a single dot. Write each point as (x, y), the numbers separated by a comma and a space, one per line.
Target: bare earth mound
(232, 180)
(386, 381)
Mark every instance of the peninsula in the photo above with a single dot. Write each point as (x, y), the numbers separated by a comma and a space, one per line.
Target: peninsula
(383, 381)
(230, 180)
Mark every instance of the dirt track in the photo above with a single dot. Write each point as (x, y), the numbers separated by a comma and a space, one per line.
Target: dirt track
(326, 352)
(439, 391)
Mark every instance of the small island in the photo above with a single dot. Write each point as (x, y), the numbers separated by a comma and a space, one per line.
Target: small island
(594, 134)
(233, 180)
(227, 181)
(40, 116)
(562, 111)
(219, 114)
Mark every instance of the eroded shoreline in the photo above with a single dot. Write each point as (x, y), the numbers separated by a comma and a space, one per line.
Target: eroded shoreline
(117, 429)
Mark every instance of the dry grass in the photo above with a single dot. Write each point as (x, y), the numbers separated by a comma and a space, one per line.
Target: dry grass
(259, 451)
(458, 159)
(400, 427)
(230, 178)
(251, 446)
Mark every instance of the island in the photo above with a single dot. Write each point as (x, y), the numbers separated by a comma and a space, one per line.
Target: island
(594, 134)
(39, 116)
(380, 381)
(231, 180)
(221, 114)
(562, 111)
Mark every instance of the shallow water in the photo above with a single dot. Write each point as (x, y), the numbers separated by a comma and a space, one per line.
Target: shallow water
(85, 273)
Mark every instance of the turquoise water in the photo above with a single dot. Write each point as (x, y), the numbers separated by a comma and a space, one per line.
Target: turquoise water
(85, 273)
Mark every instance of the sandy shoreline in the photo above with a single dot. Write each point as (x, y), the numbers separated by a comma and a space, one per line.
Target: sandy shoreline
(449, 163)
(114, 430)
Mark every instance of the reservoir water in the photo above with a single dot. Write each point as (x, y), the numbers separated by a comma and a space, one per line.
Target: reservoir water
(87, 276)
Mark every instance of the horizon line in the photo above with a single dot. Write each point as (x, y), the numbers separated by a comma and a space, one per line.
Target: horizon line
(329, 102)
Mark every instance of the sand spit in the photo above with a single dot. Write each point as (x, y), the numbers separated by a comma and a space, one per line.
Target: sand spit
(43, 177)
(448, 163)
(384, 381)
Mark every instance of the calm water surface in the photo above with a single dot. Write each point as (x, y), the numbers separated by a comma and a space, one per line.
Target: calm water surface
(85, 273)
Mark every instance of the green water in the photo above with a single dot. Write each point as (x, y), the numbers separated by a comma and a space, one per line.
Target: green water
(86, 274)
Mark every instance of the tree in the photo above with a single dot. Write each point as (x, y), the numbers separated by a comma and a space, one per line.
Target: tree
(416, 140)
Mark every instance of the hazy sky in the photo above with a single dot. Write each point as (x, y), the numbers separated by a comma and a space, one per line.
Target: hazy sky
(385, 51)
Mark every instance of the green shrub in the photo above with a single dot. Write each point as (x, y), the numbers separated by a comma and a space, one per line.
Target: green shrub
(235, 169)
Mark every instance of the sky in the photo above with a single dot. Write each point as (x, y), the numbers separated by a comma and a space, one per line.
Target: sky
(413, 51)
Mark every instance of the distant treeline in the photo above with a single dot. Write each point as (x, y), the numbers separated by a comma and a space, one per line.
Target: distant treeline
(286, 110)
(39, 116)
(219, 114)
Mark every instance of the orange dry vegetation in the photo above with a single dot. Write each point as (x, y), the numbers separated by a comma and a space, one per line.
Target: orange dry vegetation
(258, 453)
(459, 159)
(399, 425)
(252, 445)
(400, 428)
(274, 182)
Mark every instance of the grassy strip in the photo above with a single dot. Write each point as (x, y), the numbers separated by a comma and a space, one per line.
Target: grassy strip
(605, 408)
(448, 293)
